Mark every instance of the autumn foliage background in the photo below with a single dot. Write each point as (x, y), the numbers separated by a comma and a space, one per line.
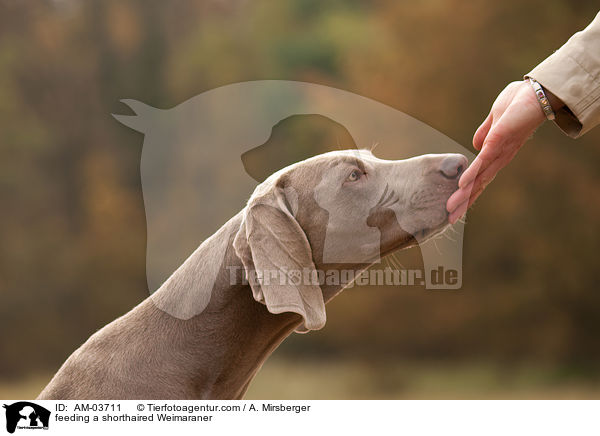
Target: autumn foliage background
(72, 224)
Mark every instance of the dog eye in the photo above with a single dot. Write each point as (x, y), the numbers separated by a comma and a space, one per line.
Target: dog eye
(354, 176)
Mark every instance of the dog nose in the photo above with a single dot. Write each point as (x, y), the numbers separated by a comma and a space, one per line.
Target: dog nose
(453, 166)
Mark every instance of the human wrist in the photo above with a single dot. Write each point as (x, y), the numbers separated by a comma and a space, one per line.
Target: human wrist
(529, 98)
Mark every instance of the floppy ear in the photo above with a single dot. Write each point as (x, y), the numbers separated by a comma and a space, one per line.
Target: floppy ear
(274, 249)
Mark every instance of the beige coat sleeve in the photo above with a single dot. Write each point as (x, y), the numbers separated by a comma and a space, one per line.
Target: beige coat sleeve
(572, 73)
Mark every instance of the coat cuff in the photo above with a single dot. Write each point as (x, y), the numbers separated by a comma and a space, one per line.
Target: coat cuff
(577, 88)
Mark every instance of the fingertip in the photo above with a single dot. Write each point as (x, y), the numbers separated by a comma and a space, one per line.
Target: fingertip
(456, 199)
(458, 213)
(470, 173)
(466, 179)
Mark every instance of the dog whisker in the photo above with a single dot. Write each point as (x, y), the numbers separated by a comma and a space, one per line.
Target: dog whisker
(436, 247)
(447, 236)
(400, 265)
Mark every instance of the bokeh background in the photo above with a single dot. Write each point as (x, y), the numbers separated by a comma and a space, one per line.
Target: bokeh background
(72, 227)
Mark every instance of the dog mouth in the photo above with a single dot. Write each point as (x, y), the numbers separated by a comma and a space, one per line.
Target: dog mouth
(426, 233)
(429, 231)
(422, 234)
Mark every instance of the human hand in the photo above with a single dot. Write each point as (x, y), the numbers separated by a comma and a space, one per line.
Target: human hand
(514, 116)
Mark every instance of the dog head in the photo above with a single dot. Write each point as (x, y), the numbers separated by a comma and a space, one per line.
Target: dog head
(339, 209)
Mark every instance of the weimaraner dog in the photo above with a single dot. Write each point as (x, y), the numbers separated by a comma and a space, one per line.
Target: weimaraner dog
(206, 339)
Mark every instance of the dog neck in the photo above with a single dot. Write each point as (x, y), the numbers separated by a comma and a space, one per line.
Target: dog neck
(220, 349)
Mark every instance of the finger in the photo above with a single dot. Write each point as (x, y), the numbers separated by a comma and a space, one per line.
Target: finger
(475, 195)
(469, 195)
(458, 212)
(482, 132)
(471, 172)
(483, 180)
(491, 152)
(489, 174)
(458, 197)
(463, 198)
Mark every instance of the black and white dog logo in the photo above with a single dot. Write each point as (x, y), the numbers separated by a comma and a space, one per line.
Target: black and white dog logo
(26, 415)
